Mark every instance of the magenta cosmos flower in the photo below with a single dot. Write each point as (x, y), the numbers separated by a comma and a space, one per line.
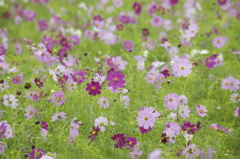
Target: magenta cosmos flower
(137, 8)
(36, 153)
(172, 101)
(201, 110)
(93, 88)
(190, 128)
(18, 79)
(120, 139)
(219, 41)
(128, 45)
(57, 98)
(116, 80)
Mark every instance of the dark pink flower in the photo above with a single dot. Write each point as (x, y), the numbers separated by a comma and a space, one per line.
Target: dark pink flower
(173, 2)
(120, 139)
(137, 8)
(116, 80)
(18, 79)
(30, 15)
(93, 88)
(36, 153)
(2, 50)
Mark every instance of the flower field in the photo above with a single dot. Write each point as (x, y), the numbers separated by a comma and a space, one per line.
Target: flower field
(118, 79)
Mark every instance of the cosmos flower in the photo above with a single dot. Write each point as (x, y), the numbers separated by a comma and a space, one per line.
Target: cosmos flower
(137, 8)
(102, 122)
(201, 110)
(103, 102)
(116, 80)
(36, 153)
(230, 83)
(59, 116)
(18, 79)
(117, 3)
(190, 128)
(94, 133)
(147, 117)
(155, 154)
(182, 67)
(58, 98)
(219, 42)
(136, 154)
(131, 142)
(10, 100)
(120, 140)
(128, 45)
(93, 88)
(30, 111)
(172, 101)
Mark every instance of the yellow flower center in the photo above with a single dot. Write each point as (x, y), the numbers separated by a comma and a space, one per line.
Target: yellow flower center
(182, 68)
(170, 99)
(201, 111)
(130, 143)
(30, 112)
(93, 88)
(115, 79)
(146, 118)
(150, 78)
(226, 83)
(94, 132)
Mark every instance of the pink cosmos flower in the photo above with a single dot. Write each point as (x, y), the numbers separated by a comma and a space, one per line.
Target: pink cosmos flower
(74, 39)
(172, 101)
(3, 146)
(74, 126)
(147, 117)
(136, 154)
(30, 15)
(182, 67)
(18, 79)
(4, 86)
(2, 50)
(116, 80)
(30, 111)
(201, 110)
(157, 21)
(191, 151)
(184, 111)
(191, 31)
(103, 102)
(230, 83)
(93, 88)
(219, 41)
(237, 112)
(58, 98)
(117, 3)
(10, 100)
(128, 45)
(59, 116)
(99, 78)
(101, 122)
(213, 126)
(155, 154)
